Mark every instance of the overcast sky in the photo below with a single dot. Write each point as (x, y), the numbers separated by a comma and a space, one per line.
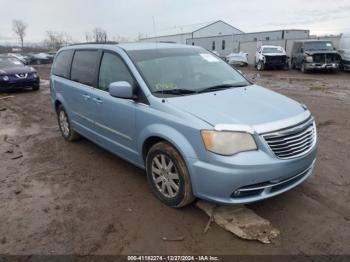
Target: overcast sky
(131, 17)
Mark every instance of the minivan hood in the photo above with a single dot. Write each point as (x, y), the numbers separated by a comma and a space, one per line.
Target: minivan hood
(251, 106)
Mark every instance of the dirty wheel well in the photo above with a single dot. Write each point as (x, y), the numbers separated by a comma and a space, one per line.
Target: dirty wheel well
(149, 143)
(57, 103)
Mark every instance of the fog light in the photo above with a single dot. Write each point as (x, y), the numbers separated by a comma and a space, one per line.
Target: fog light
(237, 193)
(35, 75)
(5, 78)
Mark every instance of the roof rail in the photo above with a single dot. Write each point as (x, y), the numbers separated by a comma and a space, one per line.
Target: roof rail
(96, 43)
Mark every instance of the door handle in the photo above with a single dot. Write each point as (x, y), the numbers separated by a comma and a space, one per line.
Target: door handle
(86, 97)
(97, 100)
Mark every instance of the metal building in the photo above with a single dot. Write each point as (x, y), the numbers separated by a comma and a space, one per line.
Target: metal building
(249, 42)
(180, 34)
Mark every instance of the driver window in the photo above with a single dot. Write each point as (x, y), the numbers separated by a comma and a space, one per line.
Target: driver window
(113, 69)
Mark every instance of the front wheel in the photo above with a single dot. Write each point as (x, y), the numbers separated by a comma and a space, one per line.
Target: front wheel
(260, 66)
(168, 176)
(303, 68)
(286, 66)
(36, 87)
(292, 64)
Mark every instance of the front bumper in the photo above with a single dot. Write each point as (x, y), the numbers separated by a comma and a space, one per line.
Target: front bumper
(23, 83)
(320, 66)
(261, 176)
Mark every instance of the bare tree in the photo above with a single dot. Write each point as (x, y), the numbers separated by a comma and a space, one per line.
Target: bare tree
(122, 39)
(19, 28)
(55, 40)
(99, 35)
(88, 37)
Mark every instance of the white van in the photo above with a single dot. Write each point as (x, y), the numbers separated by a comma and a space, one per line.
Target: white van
(344, 51)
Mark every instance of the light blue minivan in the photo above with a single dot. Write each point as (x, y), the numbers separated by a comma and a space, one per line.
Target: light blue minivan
(196, 125)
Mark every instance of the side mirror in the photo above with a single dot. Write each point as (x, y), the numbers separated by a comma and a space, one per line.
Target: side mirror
(121, 89)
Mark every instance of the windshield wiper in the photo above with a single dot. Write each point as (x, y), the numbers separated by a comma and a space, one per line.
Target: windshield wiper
(220, 87)
(177, 91)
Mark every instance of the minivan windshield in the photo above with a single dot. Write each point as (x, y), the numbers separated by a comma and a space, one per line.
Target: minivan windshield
(180, 71)
(319, 45)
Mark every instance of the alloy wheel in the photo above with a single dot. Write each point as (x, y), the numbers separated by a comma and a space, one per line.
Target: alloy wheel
(165, 176)
(64, 124)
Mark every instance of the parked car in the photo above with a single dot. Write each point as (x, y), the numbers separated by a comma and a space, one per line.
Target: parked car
(194, 123)
(344, 51)
(40, 58)
(269, 56)
(240, 59)
(14, 74)
(51, 55)
(311, 55)
(24, 59)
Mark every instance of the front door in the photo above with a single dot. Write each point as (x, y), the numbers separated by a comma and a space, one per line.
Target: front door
(115, 122)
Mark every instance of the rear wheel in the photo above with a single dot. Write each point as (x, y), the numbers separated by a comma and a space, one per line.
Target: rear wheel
(65, 126)
(168, 176)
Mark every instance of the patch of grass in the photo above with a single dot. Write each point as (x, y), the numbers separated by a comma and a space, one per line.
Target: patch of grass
(318, 88)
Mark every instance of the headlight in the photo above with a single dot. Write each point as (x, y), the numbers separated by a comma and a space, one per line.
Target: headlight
(35, 75)
(309, 59)
(227, 143)
(5, 78)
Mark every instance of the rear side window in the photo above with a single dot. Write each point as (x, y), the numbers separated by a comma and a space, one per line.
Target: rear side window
(84, 66)
(61, 66)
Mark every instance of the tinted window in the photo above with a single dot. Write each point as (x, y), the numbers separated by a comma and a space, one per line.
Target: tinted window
(312, 46)
(184, 68)
(83, 67)
(223, 45)
(61, 66)
(112, 70)
(213, 46)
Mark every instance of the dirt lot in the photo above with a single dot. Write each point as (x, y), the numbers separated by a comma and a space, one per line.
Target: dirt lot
(63, 198)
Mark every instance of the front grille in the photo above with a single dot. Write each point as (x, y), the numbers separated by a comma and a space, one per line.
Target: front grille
(294, 141)
(275, 59)
(325, 58)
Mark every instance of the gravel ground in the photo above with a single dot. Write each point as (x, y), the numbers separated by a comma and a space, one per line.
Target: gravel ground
(76, 198)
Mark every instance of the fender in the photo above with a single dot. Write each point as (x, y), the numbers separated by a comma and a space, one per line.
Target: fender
(173, 136)
(58, 97)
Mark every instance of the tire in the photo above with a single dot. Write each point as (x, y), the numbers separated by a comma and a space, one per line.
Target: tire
(36, 88)
(65, 125)
(302, 68)
(260, 66)
(168, 176)
(286, 66)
